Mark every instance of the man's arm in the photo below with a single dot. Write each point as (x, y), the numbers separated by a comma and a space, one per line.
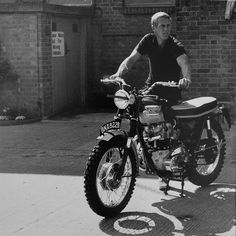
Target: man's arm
(184, 64)
(127, 64)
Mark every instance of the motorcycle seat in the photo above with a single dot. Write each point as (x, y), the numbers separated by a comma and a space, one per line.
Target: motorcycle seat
(196, 107)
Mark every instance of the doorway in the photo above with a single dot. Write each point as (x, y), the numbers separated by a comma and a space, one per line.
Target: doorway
(68, 63)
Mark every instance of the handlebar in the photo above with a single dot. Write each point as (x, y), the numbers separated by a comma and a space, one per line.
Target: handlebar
(120, 81)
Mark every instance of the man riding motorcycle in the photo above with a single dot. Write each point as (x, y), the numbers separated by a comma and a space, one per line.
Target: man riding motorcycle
(167, 60)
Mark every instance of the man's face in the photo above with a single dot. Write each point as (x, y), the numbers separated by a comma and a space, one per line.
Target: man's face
(163, 28)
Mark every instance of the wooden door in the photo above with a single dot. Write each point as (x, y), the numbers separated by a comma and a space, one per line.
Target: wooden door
(69, 69)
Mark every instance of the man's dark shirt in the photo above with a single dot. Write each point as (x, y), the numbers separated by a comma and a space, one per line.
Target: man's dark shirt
(162, 63)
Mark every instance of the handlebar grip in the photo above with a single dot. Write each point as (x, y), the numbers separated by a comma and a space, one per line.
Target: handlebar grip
(118, 80)
(165, 84)
(106, 81)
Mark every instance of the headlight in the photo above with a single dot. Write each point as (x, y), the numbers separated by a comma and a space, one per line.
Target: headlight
(121, 99)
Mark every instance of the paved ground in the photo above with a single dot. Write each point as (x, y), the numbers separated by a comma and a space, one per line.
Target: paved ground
(41, 182)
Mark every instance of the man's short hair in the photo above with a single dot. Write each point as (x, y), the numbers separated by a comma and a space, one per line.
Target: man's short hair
(157, 16)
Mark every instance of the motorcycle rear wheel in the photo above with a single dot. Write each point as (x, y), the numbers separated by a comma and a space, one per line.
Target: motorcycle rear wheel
(205, 174)
(106, 195)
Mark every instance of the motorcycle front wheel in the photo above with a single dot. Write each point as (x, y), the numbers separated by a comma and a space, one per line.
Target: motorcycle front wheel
(210, 160)
(106, 194)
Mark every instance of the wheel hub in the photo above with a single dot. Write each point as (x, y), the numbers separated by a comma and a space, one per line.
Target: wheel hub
(210, 150)
(108, 176)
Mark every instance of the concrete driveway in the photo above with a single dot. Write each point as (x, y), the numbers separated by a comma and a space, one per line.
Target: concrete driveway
(41, 182)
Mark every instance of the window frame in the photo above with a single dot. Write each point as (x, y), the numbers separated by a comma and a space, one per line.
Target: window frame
(149, 3)
(69, 3)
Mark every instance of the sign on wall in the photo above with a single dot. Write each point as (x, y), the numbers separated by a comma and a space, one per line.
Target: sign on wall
(58, 44)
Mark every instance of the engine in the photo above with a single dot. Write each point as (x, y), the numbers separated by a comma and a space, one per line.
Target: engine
(162, 142)
(161, 138)
(156, 127)
(160, 131)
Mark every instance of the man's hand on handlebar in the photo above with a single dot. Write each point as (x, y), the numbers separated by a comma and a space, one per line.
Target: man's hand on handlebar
(117, 77)
(184, 83)
(113, 79)
(114, 76)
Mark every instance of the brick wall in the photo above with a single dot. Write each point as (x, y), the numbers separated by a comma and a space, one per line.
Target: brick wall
(119, 32)
(200, 25)
(18, 39)
(25, 39)
(209, 39)
(211, 42)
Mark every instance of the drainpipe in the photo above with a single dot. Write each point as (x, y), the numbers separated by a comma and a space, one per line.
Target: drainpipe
(229, 9)
(39, 102)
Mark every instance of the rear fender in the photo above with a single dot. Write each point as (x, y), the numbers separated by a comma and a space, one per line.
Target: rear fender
(223, 117)
(128, 142)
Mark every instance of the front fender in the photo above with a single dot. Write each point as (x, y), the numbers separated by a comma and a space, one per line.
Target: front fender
(107, 136)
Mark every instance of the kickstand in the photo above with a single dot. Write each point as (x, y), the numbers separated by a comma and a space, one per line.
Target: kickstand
(182, 188)
(167, 181)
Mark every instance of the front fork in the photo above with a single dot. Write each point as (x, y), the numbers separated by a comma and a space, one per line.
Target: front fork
(131, 134)
(136, 130)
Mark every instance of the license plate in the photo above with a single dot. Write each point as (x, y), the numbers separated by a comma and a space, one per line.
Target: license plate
(109, 126)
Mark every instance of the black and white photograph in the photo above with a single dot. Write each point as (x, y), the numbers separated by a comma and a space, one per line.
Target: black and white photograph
(117, 117)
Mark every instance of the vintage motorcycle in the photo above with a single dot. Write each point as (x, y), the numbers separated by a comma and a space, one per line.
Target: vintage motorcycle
(173, 142)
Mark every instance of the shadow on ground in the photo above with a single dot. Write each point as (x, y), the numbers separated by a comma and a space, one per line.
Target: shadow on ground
(208, 211)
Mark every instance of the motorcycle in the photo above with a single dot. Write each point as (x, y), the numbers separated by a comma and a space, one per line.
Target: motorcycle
(173, 142)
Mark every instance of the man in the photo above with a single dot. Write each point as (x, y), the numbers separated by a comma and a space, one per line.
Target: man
(167, 58)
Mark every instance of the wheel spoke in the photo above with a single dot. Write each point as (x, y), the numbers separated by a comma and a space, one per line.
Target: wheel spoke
(110, 190)
(109, 195)
(207, 169)
(104, 177)
(200, 169)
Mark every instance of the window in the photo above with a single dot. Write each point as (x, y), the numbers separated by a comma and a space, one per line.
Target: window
(7, 1)
(71, 2)
(149, 3)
